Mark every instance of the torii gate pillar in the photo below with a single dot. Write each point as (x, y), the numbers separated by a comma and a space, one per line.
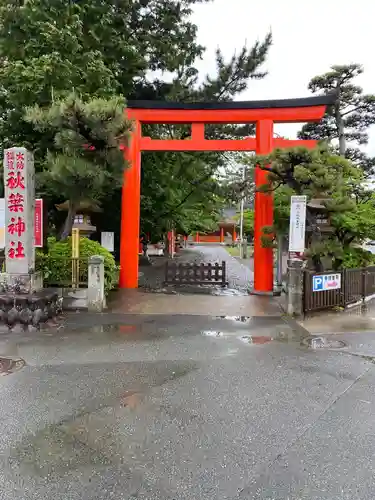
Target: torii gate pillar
(263, 113)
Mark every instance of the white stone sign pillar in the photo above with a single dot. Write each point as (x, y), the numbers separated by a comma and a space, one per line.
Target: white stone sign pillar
(19, 193)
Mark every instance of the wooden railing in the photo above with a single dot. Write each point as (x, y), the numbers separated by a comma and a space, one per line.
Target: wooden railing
(195, 274)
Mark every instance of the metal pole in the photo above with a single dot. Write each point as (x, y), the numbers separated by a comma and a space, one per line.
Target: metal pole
(241, 214)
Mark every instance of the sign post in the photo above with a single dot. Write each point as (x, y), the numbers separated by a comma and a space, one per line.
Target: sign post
(297, 224)
(75, 257)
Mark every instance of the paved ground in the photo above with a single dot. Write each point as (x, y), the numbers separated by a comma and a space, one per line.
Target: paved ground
(199, 397)
(354, 319)
(138, 302)
(163, 407)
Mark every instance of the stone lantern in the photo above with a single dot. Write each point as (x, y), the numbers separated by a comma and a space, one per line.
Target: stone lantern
(318, 210)
(82, 220)
(320, 227)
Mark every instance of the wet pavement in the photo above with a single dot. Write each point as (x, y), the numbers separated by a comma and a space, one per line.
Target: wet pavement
(139, 302)
(354, 319)
(180, 407)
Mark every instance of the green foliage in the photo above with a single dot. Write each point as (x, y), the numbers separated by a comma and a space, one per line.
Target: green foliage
(248, 222)
(56, 264)
(353, 258)
(356, 225)
(319, 174)
(350, 117)
(174, 183)
(180, 192)
(86, 160)
(100, 49)
(316, 173)
(349, 257)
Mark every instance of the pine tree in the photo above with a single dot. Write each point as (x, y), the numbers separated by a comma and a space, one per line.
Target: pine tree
(86, 160)
(348, 120)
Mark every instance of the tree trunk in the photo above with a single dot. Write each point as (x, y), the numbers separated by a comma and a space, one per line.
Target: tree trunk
(68, 225)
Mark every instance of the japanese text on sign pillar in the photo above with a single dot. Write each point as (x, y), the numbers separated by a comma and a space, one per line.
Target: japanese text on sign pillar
(15, 183)
(19, 225)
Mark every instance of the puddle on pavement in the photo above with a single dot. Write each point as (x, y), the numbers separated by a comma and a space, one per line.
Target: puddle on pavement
(134, 333)
(236, 319)
(230, 292)
(247, 339)
(212, 333)
(9, 365)
(323, 343)
(250, 339)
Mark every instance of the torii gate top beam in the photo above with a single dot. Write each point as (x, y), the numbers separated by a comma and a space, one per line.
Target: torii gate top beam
(199, 114)
(279, 111)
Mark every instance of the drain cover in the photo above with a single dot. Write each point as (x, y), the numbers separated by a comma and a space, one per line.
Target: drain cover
(9, 365)
(323, 343)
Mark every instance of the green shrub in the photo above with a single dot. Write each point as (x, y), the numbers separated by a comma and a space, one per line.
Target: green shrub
(357, 257)
(56, 265)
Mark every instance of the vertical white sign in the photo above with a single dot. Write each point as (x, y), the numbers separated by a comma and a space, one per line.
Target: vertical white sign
(19, 210)
(297, 223)
(107, 241)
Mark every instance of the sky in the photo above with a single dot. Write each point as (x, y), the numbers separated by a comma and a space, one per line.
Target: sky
(308, 37)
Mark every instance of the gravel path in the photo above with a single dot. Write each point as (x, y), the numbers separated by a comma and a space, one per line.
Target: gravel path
(239, 276)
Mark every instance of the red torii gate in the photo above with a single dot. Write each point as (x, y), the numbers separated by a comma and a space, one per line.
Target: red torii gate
(263, 113)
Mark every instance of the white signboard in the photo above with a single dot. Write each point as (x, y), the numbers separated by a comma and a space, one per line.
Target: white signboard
(108, 241)
(19, 210)
(297, 223)
(326, 282)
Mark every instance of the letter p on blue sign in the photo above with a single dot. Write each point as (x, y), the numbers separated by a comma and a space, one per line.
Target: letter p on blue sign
(317, 283)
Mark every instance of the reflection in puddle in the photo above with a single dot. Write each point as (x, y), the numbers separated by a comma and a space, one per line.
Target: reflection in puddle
(9, 365)
(230, 292)
(212, 333)
(238, 319)
(249, 339)
(126, 328)
(323, 343)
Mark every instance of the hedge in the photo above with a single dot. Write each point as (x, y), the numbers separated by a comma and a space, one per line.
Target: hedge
(56, 267)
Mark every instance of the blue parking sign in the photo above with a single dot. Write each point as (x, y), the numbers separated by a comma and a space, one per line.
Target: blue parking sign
(317, 283)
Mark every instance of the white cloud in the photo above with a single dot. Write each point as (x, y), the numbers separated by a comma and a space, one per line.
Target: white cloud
(308, 37)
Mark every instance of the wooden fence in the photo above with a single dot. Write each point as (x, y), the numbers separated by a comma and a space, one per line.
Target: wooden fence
(195, 274)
